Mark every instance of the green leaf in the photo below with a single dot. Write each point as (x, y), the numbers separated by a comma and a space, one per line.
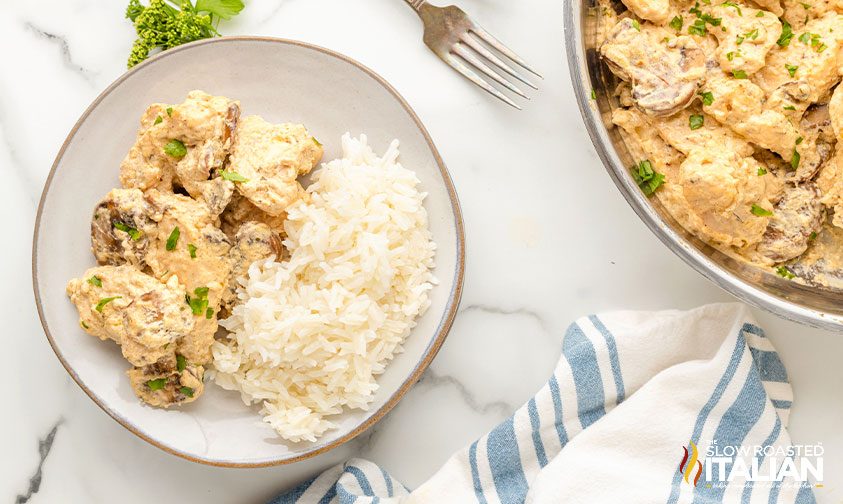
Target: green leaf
(197, 305)
(730, 55)
(791, 69)
(176, 149)
(789, 107)
(158, 120)
(181, 362)
(201, 292)
(173, 240)
(186, 391)
(676, 23)
(696, 121)
(739, 74)
(209, 313)
(760, 211)
(95, 280)
(158, 384)
(226, 9)
(192, 249)
(593, 97)
(233, 176)
(636, 24)
(813, 236)
(760, 14)
(707, 98)
(794, 160)
(83, 324)
(132, 232)
(799, 140)
(787, 34)
(169, 111)
(784, 272)
(762, 171)
(105, 301)
(733, 4)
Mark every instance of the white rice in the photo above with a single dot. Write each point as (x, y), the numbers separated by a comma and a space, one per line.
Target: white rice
(312, 332)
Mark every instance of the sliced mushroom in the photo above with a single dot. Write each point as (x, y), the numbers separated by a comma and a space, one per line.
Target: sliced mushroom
(796, 217)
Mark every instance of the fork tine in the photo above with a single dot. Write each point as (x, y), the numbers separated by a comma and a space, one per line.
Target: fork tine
(489, 55)
(497, 44)
(473, 77)
(473, 60)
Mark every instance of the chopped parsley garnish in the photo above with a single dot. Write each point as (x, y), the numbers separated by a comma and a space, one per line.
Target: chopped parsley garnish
(791, 69)
(794, 160)
(181, 362)
(209, 313)
(733, 4)
(805, 6)
(695, 10)
(698, 28)
(176, 149)
(132, 232)
(805, 38)
(186, 391)
(593, 97)
(158, 120)
(784, 272)
(199, 304)
(158, 384)
(760, 14)
(762, 171)
(169, 111)
(730, 55)
(83, 324)
(202, 292)
(105, 301)
(799, 140)
(233, 176)
(647, 179)
(95, 280)
(713, 21)
(696, 121)
(787, 34)
(739, 74)
(813, 236)
(760, 212)
(707, 98)
(636, 24)
(789, 107)
(319, 144)
(173, 240)
(676, 23)
(192, 249)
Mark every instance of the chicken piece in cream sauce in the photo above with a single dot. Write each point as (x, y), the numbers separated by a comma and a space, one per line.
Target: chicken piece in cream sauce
(738, 106)
(203, 197)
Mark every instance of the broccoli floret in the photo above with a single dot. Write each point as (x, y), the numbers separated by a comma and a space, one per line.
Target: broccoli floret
(162, 26)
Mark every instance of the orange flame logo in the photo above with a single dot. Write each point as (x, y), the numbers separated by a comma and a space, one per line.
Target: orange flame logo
(690, 462)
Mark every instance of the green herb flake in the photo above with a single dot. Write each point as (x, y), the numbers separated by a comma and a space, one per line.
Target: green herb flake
(105, 301)
(784, 272)
(169, 111)
(760, 14)
(132, 232)
(233, 176)
(158, 384)
(733, 4)
(739, 74)
(713, 21)
(158, 120)
(209, 313)
(730, 55)
(676, 23)
(696, 121)
(707, 98)
(186, 391)
(762, 171)
(593, 95)
(181, 362)
(176, 149)
(787, 34)
(636, 24)
(698, 28)
(789, 107)
(794, 160)
(791, 69)
(799, 140)
(805, 6)
(760, 211)
(647, 179)
(83, 324)
(197, 305)
(95, 280)
(173, 240)
(192, 249)
(201, 292)
(813, 236)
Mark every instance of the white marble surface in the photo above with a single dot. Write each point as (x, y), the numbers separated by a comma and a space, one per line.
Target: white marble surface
(549, 239)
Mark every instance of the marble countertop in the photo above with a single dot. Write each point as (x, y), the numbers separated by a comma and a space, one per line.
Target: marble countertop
(549, 239)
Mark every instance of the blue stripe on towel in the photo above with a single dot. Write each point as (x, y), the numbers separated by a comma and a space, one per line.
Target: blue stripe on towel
(777, 428)
(754, 329)
(719, 389)
(613, 356)
(557, 410)
(734, 426)
(769, 365)
(475, 473)
(535, 423)
(505, 463)
(362, 480)
(295, 494)
(329, 496)
(388, 481)
(781, 404)
(582, 358)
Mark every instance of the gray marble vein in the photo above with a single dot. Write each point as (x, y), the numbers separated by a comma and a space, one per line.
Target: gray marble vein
(64, 47)
(433, 379)
(524, 312)
(44, 446)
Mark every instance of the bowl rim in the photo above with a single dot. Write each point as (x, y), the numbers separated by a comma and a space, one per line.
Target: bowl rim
(577, 67)
(445, 323)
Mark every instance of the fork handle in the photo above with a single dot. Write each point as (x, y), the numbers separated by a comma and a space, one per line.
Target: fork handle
(416, 4)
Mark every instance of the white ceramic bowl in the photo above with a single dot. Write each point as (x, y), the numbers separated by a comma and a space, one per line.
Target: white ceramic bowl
(283, 81)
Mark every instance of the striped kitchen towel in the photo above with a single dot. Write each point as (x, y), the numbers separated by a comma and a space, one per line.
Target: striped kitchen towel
(658, 407)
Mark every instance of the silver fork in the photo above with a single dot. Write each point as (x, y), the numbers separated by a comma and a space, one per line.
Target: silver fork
(461, 43)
